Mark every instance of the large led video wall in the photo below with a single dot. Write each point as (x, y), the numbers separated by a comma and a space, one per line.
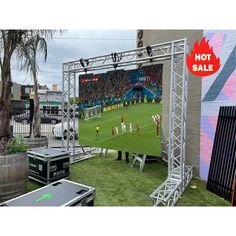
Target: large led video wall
(122, 110)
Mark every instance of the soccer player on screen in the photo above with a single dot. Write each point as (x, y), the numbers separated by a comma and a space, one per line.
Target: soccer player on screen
(138, 130)
(97, 130)
(126, 104)
(157, 122)
(113, 131)
(130, 128)
(124, 128)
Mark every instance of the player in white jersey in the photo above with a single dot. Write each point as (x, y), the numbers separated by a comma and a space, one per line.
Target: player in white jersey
(153, 117)
(124, 127)
(158, 118)
(130, 128)
(157, 122)
(117, 131)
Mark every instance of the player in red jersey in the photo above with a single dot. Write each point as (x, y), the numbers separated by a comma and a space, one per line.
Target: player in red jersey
(113, 131)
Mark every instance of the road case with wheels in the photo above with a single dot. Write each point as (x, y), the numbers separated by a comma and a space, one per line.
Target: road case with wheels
(60, 193)
(47, 165)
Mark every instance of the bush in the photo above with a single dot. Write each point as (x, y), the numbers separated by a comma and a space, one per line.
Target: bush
(17, 145)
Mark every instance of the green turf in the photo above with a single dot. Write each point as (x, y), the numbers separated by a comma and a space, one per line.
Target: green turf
(146, 143)
(117, 184)
(200, 196)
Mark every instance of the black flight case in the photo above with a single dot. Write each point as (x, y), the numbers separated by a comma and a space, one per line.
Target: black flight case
(47, 165)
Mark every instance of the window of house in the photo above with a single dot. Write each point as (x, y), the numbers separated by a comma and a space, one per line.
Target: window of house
(54, 110)
(44, 109)
(48, 110)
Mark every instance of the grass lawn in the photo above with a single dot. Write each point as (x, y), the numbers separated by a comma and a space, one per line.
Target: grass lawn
(146, 143)
(117, 184)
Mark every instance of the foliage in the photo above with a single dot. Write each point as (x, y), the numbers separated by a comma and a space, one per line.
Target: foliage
(28, 53)
(17, 145)
(76, 100)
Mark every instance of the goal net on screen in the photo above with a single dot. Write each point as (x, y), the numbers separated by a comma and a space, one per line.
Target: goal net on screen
(92, 112)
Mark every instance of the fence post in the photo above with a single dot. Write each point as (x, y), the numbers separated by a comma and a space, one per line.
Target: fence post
(11, 131)
(31, 114)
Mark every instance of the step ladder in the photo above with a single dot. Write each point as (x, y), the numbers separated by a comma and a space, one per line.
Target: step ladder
(140, 158)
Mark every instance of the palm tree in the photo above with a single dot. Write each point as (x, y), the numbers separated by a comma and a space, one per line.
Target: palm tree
(29, 56)
(11, 42)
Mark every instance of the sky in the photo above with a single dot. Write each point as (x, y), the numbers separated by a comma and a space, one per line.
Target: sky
(73, 45)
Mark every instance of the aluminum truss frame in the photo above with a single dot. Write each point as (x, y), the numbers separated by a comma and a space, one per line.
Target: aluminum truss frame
(153, 53)
(179, 175)
(68, 112)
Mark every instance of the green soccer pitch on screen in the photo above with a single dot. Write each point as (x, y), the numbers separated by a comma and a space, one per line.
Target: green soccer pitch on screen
(122, 110)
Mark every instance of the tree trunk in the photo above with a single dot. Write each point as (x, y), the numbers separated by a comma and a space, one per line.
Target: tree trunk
(5, 103)
(36, 117)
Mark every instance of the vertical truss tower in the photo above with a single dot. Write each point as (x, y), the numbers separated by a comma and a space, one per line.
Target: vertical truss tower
(179, 175)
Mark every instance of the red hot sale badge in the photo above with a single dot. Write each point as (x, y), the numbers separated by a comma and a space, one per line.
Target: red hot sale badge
(202, 61)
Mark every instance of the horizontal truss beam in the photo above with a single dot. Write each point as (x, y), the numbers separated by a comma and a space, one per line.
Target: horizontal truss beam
(153, 53)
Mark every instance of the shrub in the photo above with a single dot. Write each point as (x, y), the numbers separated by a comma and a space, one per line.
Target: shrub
(17, 145)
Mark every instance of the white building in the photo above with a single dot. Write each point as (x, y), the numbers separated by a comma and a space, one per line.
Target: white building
(50, 100)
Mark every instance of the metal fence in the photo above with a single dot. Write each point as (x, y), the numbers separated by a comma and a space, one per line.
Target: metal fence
(22, 116)
(223, 160)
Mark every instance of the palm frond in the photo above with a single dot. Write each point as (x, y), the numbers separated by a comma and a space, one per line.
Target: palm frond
(28, 49)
